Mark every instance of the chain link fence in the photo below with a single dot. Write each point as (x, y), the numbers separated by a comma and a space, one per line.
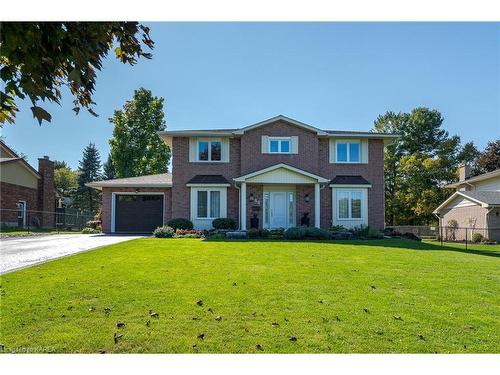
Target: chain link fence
(456, 234)
(64, 219)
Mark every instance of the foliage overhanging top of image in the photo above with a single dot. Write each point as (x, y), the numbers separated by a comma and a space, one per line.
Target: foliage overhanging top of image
(37, 59)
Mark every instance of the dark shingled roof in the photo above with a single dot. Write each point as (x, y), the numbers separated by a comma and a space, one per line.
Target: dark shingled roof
(208, 179)
(349, 180)
(487, 197)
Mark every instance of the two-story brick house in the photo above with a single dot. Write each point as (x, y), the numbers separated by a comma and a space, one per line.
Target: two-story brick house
(278, 173)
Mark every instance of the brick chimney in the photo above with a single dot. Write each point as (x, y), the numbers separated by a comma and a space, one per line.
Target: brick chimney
(464, 172)
(46, 192)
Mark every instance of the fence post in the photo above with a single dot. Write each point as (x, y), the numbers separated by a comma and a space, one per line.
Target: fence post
(465, 238)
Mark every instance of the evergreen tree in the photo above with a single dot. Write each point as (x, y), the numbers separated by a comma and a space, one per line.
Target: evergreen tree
(418, 164)
(89, 169)
(489, 159)
(109, 169)
(136, 148)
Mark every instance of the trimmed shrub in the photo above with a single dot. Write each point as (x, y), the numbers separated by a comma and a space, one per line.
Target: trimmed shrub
(258, 233)
(337, 228)
(180, 223)
(164, 232)
(95, 224)
(367, 233)
(317, 233)
(89, 230)
(477, 237)
(411, 236)
(225, 223)
(190, 233)
(300, 233)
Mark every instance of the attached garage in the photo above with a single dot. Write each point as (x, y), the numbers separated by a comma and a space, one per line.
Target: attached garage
(135, 204)
(138, 213)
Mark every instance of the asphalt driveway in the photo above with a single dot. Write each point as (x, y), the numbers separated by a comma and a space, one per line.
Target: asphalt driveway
(26, 251)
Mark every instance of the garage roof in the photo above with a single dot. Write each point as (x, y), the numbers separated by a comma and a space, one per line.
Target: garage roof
(153, 180)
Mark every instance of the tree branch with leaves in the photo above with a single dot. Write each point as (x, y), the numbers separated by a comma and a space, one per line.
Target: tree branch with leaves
(39, 59)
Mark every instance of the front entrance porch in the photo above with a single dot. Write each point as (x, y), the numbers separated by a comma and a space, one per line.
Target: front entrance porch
(280, 196)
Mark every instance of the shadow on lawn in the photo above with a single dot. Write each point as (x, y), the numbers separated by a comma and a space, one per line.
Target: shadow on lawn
(394, 243)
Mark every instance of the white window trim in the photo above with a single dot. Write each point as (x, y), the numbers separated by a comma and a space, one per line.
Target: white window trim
(25, 209)
(337, 142)
(209, 141)
(349, 209)
(113, 203)
(279, 139)
(222, 200)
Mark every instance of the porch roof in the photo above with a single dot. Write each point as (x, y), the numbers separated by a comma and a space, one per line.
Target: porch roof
(281, 173)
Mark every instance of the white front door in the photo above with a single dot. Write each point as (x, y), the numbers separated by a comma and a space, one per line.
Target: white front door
(278, 210)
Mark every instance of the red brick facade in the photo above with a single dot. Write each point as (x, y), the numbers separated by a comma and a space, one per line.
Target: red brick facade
(40, 202)
(107, 202)
(246, 156)
(313, 157)
(10, 195)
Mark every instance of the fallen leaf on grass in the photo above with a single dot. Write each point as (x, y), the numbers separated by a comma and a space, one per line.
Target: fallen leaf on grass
(218, 318)
(275, 324)
(259, 347)
(292, 338)
(199, 303)
(120, 325)
(201, 335)
(366, 310)
(153, 314)
(397, 317)
(117, 337)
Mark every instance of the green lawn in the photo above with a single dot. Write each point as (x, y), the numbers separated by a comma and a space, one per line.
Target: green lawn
(367, 296)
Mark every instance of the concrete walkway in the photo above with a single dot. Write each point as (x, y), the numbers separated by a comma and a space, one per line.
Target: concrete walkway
(20, 252)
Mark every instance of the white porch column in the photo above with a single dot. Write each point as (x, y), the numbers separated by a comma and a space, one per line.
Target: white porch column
(243, 206)
(317, 205)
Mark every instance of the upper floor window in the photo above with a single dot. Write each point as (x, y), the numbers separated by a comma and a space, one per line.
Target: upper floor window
(279, 145)
(209, 151)
(348, 152)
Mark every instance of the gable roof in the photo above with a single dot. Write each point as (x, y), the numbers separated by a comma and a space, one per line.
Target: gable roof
(483, 198)
(152, 180)
(240, 131)
(16, 158)
(278, 166)
(481, 177)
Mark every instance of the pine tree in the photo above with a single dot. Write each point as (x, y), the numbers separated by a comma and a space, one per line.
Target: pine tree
(89, 169)
(489, 159)
(109, 169)
(136, 148)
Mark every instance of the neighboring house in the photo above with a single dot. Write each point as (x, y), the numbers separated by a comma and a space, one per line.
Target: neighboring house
(278, 173)
(475, 204)
(24, 189)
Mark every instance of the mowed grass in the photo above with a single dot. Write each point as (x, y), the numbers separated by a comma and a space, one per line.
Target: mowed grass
(346, 297)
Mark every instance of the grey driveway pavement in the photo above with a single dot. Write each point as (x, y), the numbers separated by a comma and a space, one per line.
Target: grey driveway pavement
(26, 251)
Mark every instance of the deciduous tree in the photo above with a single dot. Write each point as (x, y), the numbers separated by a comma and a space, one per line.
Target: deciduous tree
(136, 148)
(38, 59)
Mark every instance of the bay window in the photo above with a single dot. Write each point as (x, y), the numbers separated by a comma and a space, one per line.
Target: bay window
(208, 204)
(349, 204)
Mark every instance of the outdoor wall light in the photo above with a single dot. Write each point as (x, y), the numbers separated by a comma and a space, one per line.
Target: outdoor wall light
(251, 197)
(306, 198)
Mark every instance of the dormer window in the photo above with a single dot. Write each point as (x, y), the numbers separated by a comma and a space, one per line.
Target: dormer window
(209, 151)
(279, 145)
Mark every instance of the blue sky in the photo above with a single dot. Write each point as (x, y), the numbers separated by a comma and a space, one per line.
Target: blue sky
(330, 75)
